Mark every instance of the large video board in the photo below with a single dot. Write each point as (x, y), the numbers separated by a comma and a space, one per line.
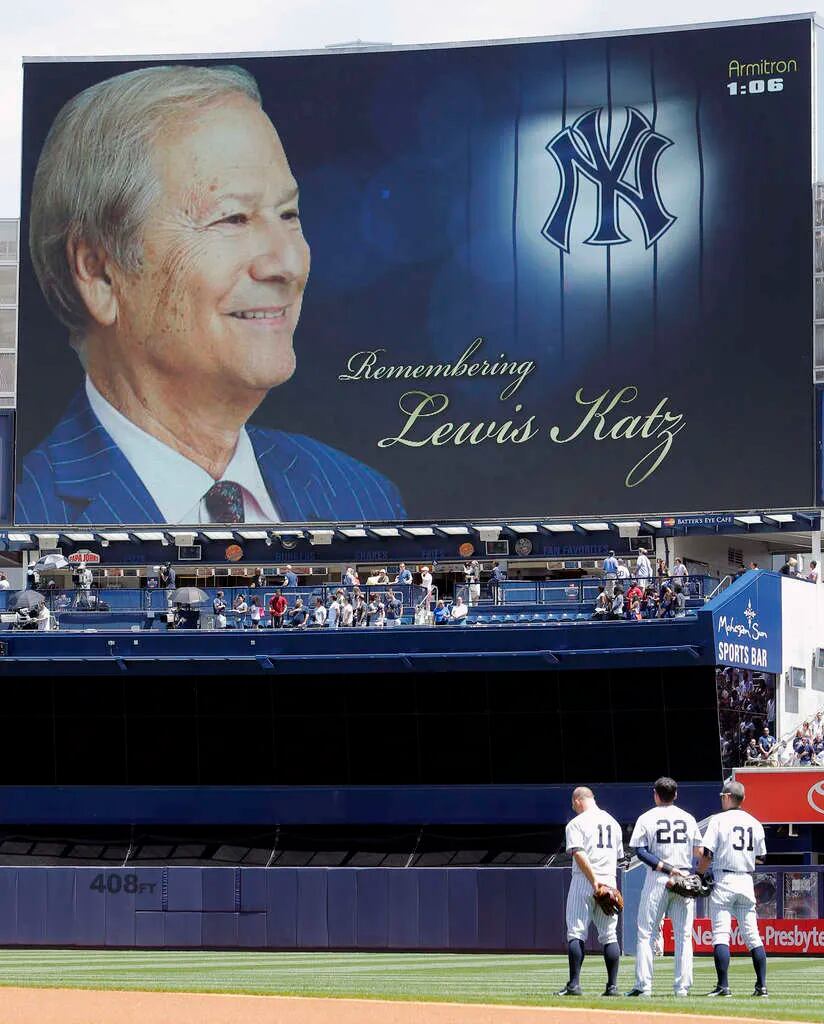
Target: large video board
(547, 278)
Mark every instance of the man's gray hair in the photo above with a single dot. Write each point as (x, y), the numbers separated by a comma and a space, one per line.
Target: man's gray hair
(95, 179)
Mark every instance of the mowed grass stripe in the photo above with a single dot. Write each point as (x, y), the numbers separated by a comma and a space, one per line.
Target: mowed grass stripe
(797, 985)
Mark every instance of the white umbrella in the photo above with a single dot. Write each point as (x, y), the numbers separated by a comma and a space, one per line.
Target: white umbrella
(50, 563)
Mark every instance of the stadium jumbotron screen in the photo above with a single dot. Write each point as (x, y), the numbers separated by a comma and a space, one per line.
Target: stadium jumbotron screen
(547, 278)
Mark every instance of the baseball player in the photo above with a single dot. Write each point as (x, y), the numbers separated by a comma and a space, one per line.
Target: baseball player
(666, 839)
(734, 842)
(594, 839)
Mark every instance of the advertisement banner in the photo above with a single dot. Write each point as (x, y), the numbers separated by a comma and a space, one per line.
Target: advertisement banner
(747, 623)
(524, 279)
(780, 796)
(796, 938)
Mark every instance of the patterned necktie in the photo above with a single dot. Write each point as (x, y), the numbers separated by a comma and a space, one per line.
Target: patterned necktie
(224, 502)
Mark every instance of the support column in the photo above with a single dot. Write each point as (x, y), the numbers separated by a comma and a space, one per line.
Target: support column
(816, 552)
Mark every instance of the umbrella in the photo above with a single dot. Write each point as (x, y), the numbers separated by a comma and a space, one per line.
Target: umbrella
(188, 595)
(50, 562)
(26, 599)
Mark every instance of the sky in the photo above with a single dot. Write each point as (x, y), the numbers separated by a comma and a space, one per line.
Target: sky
(56, 28)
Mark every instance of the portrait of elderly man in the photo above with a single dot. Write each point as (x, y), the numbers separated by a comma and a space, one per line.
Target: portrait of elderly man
(165, 236)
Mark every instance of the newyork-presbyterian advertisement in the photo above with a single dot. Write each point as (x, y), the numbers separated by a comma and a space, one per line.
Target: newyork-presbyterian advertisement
(521, 279)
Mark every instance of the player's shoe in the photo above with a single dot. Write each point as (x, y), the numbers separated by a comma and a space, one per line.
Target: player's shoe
(719, 991)
(761, 992)
(611, 990)
(638, 992)
(681, 993)
(570, 990)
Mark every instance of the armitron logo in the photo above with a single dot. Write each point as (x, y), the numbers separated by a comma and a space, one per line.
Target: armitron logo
(815, 796)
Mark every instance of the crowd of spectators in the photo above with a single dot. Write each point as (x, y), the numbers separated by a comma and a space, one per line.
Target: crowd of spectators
(342, 608)
(746, 716)
(800, 749)
(643, 593)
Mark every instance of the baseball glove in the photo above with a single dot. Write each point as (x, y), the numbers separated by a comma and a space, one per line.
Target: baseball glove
(608, 899)
(692, 886)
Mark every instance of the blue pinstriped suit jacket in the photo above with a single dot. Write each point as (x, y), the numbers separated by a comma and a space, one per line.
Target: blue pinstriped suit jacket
(79, 475)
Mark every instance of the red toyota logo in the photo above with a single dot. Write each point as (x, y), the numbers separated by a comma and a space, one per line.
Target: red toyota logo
(815, 796)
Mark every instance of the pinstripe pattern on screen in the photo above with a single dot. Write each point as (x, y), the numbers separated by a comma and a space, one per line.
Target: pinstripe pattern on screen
(79, 475)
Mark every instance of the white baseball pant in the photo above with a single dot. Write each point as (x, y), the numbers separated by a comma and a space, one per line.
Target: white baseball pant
(658, 902)
(733, 897)
(582, 910)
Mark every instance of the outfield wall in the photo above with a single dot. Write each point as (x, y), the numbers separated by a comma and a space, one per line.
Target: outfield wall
(485, 909)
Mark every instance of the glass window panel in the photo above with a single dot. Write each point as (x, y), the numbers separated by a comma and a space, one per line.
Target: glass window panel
(8, 328)
(8, 239)
(7, 361)
(800, 894)
(8, 285)
(766, 891)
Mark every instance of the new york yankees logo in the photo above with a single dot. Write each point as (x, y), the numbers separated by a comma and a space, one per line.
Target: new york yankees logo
(630, 174)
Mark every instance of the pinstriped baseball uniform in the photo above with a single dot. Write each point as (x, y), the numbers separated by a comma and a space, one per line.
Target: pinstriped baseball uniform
(598, 834)
(735, 839)
(669, 834)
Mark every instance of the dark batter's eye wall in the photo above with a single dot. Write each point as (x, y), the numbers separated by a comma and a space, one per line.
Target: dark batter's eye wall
(547, 278)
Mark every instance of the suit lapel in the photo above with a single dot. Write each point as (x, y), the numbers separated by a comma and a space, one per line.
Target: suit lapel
(289, 478)
(91, 471)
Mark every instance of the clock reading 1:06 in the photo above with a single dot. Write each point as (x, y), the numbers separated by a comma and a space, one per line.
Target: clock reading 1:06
(755, 86)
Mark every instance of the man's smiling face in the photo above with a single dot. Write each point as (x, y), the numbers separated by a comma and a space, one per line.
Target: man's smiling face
(225, 262)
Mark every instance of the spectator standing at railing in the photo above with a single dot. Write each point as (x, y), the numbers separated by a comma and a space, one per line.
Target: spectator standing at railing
(277, 609)
(679, 571)
(291, 578)
(255, 613)
(426, 583)
(219, 610)
(635, 611)
(610, 570)
(333, 614)
(766, 742)
(790, 567)
(818, 750)
(753, 753)
(497, 578)
(347, 612)
(643, 568)
(649, 604)
(459, 610)
(665, 604)
(379, 618)
(441, 614)
(350, 577)
(298, 617)
(623, 571)
(803, 749)
(319, 613)
(394, 609)
(241, 610)
(635, 593)
(617, 608)
(812, 574)
(679, 602)
(360, 609)
(661, 570)
(4, 583)
(404, 577)
(603, 605)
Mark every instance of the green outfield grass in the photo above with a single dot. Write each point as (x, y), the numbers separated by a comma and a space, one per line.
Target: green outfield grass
(796, 985)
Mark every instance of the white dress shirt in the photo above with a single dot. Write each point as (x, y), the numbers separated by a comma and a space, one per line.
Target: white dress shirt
(177, 484)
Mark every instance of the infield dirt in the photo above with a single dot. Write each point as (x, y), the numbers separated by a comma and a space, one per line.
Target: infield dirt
(81, 1006)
